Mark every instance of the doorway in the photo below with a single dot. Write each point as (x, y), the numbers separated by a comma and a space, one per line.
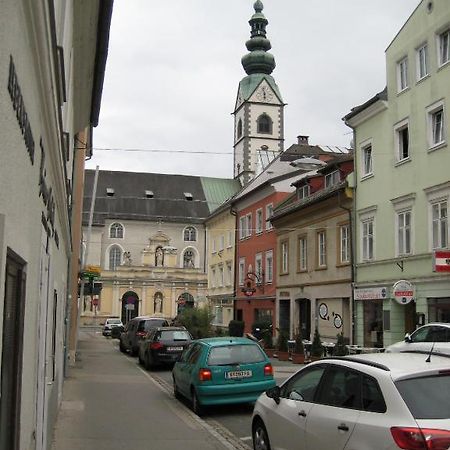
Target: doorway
(410, 317)
(304, 317)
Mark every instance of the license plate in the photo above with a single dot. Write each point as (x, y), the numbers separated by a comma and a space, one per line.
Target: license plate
(174, 349)
(238, 374)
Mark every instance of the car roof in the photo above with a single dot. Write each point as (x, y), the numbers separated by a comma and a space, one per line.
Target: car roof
(440, 324)
(398, 365)
(148, 318)
(226, 340)
(170, 329)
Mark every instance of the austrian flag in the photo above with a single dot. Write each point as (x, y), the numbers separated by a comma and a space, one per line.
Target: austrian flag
(441, 261)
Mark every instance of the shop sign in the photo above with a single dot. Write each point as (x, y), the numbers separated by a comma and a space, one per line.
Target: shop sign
(370, 293)
(403, 292)
(441, 261)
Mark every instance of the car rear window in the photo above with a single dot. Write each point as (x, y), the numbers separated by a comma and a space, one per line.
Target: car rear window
(427, 397)
(113, 321)
(235, 354)
(175, 335)
(147, 325)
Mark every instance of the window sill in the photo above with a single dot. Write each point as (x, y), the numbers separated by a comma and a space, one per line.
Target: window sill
(343, 264)
(402, 161)
(367, 176)
(437, 146)
(302, 270)
(421, 80)
(406, 89)
(443, 65)
(284, 274)
(321, 268)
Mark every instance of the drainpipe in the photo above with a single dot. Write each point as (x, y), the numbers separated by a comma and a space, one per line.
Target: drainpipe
(234, 213)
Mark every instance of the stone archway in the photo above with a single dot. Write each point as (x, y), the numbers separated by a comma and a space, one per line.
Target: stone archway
(130, 306)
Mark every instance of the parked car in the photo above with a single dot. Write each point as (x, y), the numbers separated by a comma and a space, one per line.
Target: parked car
(136, 329)
(371, 401)
(110, 323)
(436, 335)
(223, 370)
(163, 346)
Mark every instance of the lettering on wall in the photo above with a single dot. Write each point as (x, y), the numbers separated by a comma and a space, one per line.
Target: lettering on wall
(19, 107)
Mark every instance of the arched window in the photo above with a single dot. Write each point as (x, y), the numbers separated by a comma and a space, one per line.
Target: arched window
(190, 234)
(264, 124)
(116, 231)
(239, 128)
(189, 259)
(115, 257)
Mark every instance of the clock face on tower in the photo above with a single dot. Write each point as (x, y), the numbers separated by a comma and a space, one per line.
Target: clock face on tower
(264, 94)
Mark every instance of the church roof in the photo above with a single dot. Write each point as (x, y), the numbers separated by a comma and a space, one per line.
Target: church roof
(150, 196)
(249, 84)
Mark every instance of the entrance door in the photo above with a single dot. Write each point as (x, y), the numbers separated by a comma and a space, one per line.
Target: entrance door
(304, 320)
(410, 317)
(285, 315)
(12, 349)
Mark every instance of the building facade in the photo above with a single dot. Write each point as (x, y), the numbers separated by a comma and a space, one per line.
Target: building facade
(402, 185)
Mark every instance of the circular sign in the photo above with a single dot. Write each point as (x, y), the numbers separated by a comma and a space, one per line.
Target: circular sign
(323, 311)
(403, 292)
(337, 321)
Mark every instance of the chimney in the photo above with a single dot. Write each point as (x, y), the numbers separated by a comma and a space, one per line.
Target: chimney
(303, 140)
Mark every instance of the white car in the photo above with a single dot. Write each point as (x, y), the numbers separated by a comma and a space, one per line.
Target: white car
(431, 335)
(378, 401)
(110, 324)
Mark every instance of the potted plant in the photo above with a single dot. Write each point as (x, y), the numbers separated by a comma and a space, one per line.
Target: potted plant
(298, 357)
(282, 346)
(316, 346)
(340, 349)
(268, 344)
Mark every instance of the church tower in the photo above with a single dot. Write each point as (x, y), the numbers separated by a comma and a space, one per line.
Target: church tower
(259, 108)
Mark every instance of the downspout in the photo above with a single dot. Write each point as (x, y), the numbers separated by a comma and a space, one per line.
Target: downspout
(234, 213)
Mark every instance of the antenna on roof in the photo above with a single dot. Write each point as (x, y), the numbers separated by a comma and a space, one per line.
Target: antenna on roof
(429, 355)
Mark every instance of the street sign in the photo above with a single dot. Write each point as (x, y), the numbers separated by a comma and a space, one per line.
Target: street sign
(91, 271)
(403, 292)
(441, 261)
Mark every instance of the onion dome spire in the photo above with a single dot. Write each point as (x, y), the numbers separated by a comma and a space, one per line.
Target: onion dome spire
(259, 60)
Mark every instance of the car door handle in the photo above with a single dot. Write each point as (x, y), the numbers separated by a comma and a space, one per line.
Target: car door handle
(343, 427)
(302, 413)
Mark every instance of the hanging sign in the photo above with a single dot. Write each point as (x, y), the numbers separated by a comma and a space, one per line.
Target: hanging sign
(403, 292)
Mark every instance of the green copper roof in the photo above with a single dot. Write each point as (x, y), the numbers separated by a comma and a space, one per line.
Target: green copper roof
(248, 85)
(218, 190)
(259, 60)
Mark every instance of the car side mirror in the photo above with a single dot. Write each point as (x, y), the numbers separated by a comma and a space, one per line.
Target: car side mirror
(274, 393)
(408, 337)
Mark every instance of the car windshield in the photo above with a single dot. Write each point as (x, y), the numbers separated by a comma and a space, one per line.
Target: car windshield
(113, 321)
(427, 397)
(235, 354)
(173, 335)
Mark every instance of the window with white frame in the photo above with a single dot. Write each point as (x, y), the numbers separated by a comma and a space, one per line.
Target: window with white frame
(213, 278)
(303, 192)
(332, 178)
(258, 266)
(242, 227)
(190, 234)
(366, 159)
(218, 319)
(242, 273)
(422, 61)
(302, 253)
(444, 47)
(229, 274)
(213, 245)
(402, 140)
(402, 74)
(221, 276)
(439, 216)
(284, 257)
(269, 266)
(367, 239)
(249, 225)
(259, 220)
(269, 212)
(344, 241)
(116, 231)
(221, 242)
(436, 130)
(115, 257)
(321, 249)
(404, 233)
(230, 238)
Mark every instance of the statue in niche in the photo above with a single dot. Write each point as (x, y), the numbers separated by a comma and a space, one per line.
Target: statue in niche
(159, 257)
(127, 259)
(157, 302)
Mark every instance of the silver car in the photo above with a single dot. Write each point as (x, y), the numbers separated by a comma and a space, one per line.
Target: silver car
(376, 401)
(436, 335)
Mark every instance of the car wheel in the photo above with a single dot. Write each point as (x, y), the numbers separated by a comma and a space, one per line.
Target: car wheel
(148, 363)
(195, 404)
(134, 351)
(141, 361)
(176, 392)
(260, 436)
(122, 348)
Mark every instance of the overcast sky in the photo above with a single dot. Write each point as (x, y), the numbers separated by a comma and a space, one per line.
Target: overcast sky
(174, 67)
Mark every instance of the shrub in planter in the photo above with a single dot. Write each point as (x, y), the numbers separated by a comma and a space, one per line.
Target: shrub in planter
(298, 357)
(282, 346)
(340, 348)
(236, 328)
(316, 346)
(197, 321)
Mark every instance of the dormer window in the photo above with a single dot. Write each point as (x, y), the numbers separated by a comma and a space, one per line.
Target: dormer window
(149, 194)
(303, 192)
(188, 196)
(332, 178)
(110, 192)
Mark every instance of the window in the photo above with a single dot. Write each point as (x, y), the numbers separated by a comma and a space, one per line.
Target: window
(440, 224)
(344, 241)
(242, 273)
(284, 257)
(402, 74)
(116, 231)
(219, 315)
(239, 129)
(303, 192)
(269, 212)
(229, 274)
(190, 234)
(213, 278)
(436, 132)
(264, 124)
(115, 257)
(188, 259)
(444, 47)
(302, 254)
(343, 388)
(213, 245)
(422, 62)
(230, 239)
(259, 221)
(269, 266)
(366, 160)
(321, 249)
(367, 239)
(402, 140)
(258, 267)
(303, 386)
(404, 233)
(332, 178)
(221, 242)
(221, 277)
(242, 227)
(249, 225)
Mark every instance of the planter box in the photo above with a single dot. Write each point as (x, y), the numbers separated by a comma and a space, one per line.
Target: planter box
(269, 352)
(298, 358)
(283, 356)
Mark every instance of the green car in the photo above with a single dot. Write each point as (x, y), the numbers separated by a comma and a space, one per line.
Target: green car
(223, 370)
